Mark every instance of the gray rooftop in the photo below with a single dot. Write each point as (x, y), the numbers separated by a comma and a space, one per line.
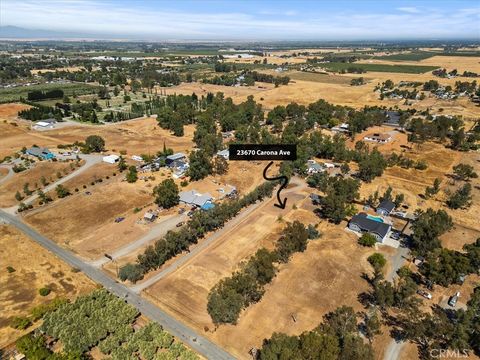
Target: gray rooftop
(386, 205)
(176, 156)
(366, 224)
(195, 198)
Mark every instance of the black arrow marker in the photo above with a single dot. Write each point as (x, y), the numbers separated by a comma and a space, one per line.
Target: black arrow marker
(281, 204)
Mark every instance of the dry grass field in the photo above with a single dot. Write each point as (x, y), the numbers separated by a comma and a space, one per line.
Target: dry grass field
(32, 176)
(3, 173)
(184, 292)
(138, 136)
(335, 89)
(34, 268)
(85, 223)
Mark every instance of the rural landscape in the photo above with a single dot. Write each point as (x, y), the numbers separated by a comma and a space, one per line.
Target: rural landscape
(218, 198)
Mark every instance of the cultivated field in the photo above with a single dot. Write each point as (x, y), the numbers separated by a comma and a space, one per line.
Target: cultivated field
(34, 268)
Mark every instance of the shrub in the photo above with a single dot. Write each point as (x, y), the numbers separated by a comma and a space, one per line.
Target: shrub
(44, 291)
(132, 272)
(377, 261)
(10, 269)
(367, 240)
(20, 322)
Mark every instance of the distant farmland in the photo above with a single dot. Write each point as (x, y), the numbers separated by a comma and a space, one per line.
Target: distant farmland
(408, 69)
(413, 56)
(69, 89)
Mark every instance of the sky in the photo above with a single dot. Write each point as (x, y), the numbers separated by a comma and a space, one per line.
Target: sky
(249, 20)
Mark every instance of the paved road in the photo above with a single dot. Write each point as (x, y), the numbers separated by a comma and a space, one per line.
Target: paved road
(156, 232)
(137, 288)
(176, 328)
(90, 160)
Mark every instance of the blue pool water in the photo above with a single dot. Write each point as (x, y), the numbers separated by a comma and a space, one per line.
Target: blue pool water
(374, 218)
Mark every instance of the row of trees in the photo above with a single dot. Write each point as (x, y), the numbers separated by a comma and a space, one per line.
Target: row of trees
(202, 222)
(246, 286)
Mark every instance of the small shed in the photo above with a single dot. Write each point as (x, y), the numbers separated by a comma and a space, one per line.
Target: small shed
(149, 216)
(111, 159)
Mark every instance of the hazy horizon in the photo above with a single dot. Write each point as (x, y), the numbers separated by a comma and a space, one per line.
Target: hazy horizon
(245, 20)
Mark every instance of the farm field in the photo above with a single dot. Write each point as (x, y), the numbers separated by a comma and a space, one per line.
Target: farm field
(35, 268)
(461, 63)
(14, 94)
(396, 68)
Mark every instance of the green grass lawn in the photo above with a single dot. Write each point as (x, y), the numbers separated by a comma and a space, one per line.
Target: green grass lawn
(14, 94)
(408, 69)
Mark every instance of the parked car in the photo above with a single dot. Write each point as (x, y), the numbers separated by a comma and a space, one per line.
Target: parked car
(180, 224)
(453, 300)
(181, 211)
(119, 219)
(425, 294)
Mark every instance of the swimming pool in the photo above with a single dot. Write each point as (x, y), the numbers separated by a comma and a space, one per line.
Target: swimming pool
(375, 218)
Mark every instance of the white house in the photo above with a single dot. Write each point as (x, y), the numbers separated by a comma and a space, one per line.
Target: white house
(111, 159)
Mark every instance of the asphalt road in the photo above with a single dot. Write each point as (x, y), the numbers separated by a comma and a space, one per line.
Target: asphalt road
(176, 328)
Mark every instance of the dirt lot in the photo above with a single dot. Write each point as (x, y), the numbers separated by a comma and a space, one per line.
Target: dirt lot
(32, 176)
(34, 268)
(184, 292)
(85, 223)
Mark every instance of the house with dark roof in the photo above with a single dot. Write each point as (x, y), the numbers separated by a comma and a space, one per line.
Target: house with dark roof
(385, 207)
(41, 153)
(369, 224)
(175, 160)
